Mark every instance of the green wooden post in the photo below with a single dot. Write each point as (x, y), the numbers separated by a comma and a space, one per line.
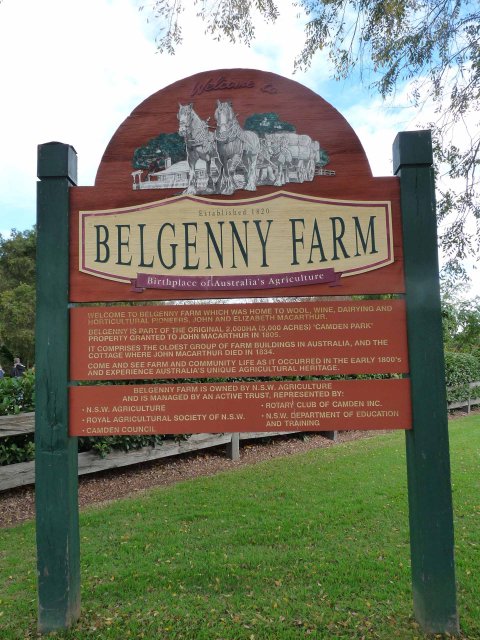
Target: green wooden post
(56, 458)
(428, 459)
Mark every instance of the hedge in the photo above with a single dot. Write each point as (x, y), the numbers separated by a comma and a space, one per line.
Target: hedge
(460, 370)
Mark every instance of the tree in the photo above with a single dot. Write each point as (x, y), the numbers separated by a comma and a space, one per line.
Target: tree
(152, 155)
(263, 123)
(17, 295)
(17, 259)
(434, 45)
(17, 308)
(461, 325)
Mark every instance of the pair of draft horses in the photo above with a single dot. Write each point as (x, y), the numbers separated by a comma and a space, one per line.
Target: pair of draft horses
(229, 144)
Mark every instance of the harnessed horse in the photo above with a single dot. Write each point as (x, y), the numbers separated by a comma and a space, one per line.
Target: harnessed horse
(235, 147)
(281, 156)
(200, 145)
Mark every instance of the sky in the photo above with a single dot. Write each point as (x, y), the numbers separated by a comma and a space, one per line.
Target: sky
(73, 70)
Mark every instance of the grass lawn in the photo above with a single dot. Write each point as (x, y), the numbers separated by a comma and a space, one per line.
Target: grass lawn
(313, 545)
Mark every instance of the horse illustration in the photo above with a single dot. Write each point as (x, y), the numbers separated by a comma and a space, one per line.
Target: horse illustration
(266, 169)
(235, 148)
(200, 145)
(281, 157)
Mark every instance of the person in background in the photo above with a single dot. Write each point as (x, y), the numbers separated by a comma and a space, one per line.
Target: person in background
(2, 372)
(18, 368)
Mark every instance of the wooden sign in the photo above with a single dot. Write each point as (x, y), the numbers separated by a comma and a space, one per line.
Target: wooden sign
(238, 184)
(253, 192)
(240, 406)
(246, 185)
(231, 340)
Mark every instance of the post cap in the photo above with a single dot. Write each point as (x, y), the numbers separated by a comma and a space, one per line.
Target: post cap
(57, 160)
(412, 148)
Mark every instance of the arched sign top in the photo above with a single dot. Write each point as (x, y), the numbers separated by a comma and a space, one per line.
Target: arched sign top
(235, 182)
(232, 133)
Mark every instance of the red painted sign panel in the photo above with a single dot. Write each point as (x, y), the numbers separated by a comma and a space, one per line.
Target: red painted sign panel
(316, 405)
(232, 340)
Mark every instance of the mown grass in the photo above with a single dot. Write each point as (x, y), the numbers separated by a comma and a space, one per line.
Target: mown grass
(313, 545)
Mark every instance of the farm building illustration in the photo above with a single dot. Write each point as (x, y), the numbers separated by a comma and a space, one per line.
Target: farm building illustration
(205, 159)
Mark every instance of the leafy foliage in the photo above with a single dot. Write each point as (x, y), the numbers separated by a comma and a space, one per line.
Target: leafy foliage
(17, 449)
(104, 446)
(21, 448)
(433, 46)
(461, 337)
(17, 328)
(17, 295)
(460, 370)
(231, 18)
(461, 325)
(17, 394)
(17, 259)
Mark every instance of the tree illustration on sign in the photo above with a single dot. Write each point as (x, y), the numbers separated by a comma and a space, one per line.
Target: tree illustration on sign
(154, 155)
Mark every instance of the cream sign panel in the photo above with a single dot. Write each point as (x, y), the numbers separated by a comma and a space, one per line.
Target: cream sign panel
(195, 243)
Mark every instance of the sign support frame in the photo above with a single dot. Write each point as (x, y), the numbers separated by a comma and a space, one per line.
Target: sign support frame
(56, 453)
(428, 462)
(427, 446)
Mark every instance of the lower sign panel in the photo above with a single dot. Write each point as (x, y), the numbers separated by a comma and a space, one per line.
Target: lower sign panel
(314, 405)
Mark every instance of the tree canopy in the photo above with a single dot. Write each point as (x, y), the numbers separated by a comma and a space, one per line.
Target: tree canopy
(152, 156)
(433, 45)
(461, 325)
(17, 296)
(263, 123)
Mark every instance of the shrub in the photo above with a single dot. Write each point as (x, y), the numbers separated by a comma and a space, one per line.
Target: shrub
(17, 449)
(17, 394)
(460, 370)
(104, 445)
